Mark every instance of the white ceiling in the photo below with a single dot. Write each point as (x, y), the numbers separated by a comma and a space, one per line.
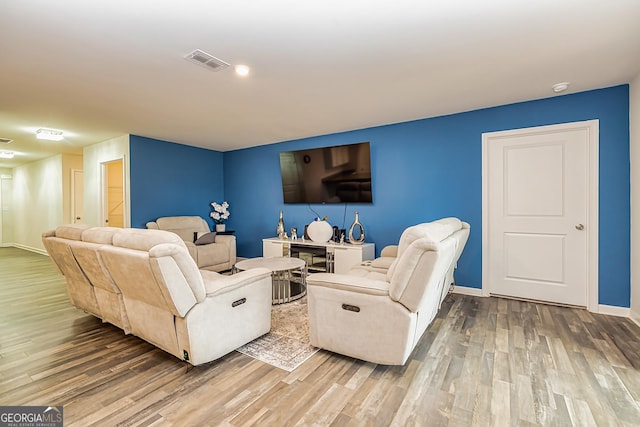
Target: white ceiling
(99, 69)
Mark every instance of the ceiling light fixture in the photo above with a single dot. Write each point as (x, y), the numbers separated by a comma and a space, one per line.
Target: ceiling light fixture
(242, 70)
(49, 134)
(6, 154)
(560, 87)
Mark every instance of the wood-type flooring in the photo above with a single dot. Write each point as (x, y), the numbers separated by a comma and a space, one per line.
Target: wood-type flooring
(483, 362)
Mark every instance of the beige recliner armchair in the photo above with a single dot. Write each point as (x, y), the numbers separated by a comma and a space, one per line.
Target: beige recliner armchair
(380, 317)
(389, 254)
(217, 256)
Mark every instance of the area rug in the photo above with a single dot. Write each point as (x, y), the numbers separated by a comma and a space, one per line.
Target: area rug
(287, 345)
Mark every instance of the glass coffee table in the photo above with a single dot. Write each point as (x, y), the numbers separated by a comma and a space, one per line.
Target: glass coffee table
(289, 276)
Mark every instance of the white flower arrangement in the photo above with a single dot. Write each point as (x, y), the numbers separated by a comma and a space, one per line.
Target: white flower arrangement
(220, 212)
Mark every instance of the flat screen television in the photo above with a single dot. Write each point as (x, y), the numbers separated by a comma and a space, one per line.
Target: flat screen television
(338, 174)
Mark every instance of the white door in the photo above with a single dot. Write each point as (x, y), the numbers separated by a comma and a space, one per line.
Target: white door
(539, 220)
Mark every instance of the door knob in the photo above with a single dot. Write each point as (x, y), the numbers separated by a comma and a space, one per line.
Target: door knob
(580, 227)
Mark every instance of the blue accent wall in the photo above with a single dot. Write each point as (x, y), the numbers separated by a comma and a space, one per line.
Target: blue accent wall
(432, 168)
(169, 179)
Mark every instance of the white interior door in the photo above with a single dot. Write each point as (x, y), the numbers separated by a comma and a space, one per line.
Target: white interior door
(539, 222)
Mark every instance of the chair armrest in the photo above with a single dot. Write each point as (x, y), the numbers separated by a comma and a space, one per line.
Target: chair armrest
(226, 239)
(345, 282)
(218, 284)
(230, 242)
(389, 251)
(152, 225)
(384, 262)
(193, 249)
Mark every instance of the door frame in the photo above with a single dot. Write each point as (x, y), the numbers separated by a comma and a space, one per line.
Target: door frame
(592, 127)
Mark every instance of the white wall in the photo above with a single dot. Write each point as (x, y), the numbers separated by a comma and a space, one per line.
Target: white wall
(37, 201)
(38, 198)
(6, 180)
(94, 155)
(634, 120)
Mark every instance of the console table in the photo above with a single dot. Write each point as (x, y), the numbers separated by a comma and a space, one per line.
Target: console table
(333, 257)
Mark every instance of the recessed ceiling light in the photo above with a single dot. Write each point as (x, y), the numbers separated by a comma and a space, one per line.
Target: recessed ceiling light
(242, 70)
(560, 87)
(6, 154)
(49, 134)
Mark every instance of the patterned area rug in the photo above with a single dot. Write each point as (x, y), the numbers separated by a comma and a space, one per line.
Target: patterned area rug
(287, 345)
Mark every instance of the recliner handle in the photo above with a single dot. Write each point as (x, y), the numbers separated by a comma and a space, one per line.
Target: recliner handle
(350, 307)
(238, 302)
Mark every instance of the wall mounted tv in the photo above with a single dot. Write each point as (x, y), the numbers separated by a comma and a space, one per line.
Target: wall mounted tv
(338, 174)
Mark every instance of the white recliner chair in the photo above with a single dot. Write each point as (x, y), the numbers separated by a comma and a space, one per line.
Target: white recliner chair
(380, 317)
(220, 255)
(389, 254)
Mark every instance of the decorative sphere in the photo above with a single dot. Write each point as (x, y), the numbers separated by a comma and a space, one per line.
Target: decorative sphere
(320, 231)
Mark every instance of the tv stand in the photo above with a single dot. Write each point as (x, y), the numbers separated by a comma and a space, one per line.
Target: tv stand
(320, 257)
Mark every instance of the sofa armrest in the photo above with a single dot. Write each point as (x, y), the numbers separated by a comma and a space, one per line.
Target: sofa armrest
(230, 242)
(344, 282)
(389, 251)
(152, 225)
(383, 263)
(193, 250)
(226, 239)
(217, 284)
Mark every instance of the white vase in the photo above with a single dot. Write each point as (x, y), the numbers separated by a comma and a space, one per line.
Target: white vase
(220, 228)
(320, 231)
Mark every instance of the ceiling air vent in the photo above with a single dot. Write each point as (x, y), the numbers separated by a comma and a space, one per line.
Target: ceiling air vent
(202, 58)
(6, 141)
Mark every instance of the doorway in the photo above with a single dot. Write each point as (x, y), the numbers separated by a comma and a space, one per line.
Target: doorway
(113, 193)
(540, 209)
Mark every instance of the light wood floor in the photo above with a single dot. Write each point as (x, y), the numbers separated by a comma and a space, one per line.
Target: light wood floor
(483, 362)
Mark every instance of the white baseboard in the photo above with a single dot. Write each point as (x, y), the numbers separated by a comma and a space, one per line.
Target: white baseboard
(465, 290)
(31, 249)
(635, 317)
(612, 310)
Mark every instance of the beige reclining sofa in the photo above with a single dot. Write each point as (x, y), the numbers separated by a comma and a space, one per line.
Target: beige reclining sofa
(146, 282)
(220, 255)
(379, 314)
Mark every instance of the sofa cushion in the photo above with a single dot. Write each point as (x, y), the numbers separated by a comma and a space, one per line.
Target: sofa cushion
(103, 235)
(71, 231)
(193, 223)
(143, 240)
(185, 234)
